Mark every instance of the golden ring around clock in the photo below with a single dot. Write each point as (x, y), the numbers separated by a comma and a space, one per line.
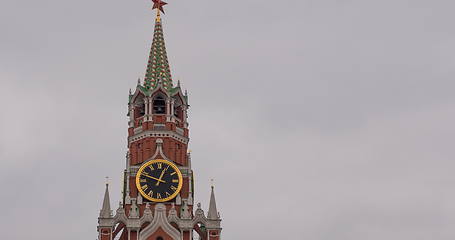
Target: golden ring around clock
(164, 162)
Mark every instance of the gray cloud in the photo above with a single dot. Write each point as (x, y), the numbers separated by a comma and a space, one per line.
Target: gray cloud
(317, 119)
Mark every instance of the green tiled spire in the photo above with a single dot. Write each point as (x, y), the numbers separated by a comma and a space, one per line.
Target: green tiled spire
(158, 66)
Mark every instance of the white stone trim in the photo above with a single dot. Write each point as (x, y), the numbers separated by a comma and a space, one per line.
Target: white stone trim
(160, 220)
(152, 133)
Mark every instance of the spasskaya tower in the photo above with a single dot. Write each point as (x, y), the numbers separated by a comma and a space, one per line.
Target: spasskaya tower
(158, 192)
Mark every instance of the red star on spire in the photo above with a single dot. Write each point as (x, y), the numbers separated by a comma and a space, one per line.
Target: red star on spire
(158, 4)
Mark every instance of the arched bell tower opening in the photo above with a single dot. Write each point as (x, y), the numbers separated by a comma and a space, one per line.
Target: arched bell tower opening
(139, 109)
(159, 104)
(178, 108)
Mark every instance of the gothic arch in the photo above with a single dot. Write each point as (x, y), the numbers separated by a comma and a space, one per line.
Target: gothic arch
(159, 222)
(159, 103)
(138, 104)
(120, 219)
(178, 106)
(137, 94)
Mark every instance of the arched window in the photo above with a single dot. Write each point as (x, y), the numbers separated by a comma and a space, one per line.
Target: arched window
(159, 238)
(142, 109)
(159, 105)
(139, 107)
(178, 109)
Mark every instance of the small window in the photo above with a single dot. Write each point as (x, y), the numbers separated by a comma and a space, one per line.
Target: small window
(178, 108)
(178, 112)
(139, 108)
(142, 109)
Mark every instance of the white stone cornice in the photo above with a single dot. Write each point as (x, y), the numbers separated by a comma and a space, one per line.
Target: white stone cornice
(105, 222)
(139, 134)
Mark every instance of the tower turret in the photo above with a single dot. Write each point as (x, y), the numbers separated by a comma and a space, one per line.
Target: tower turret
(106, 211)
(213, 218)
(212, 214)
(157, 201)
(105, 220)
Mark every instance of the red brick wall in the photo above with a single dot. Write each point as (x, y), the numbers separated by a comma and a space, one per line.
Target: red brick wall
(144, 149)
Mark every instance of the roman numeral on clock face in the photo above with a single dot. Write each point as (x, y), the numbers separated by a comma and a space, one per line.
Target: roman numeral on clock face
(160, 165)
(173, 188)
(158, 195)
(144, 187)
(175, 180)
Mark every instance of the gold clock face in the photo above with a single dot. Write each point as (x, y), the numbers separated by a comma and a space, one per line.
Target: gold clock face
(159, 180)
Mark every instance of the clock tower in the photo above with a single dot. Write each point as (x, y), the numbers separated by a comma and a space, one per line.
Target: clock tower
(158, 194)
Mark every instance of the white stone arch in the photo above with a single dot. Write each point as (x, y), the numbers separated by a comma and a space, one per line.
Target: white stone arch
(136, 94)
(199, 217)
(160, 220)
(120, 219)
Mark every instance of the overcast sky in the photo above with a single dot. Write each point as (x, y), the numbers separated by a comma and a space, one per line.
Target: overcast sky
(318, 119)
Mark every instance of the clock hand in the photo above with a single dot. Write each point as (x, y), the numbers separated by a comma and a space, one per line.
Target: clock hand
(161, 176)
(158, 180)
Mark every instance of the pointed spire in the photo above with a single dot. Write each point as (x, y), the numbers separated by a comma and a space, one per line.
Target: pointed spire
(106, 211)
(158, 66)
(213, 212)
